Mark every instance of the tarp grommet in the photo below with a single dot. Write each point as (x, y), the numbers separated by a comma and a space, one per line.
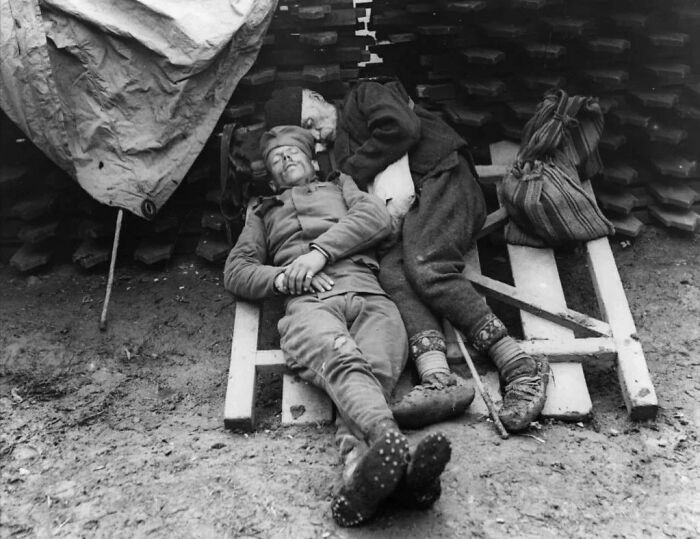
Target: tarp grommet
(148, 209)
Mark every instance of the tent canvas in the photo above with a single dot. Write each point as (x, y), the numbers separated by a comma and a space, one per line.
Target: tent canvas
(123, 94)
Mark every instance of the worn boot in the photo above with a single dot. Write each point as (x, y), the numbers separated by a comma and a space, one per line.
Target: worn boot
(438, 398)
(525, 386)
(420, 487)
(373, 476)
(441, 394)
(524, 377)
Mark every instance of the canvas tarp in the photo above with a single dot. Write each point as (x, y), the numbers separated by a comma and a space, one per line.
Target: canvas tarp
(123, 94)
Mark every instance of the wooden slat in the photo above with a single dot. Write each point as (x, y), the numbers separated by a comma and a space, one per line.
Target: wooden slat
(270, 360)
(637, 388)
(675, 217)
(303, 403)
(535, 270)
(627, 226)
(577, 350)
(494, 221)
(489, 174)
(31, 256)
(239, 407)
(536, 305)
(632, 371)
(567, 393)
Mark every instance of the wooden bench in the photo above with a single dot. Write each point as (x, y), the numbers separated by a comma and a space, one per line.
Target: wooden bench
(547, 326)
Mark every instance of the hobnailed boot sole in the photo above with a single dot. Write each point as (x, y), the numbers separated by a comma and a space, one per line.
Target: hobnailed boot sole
(420, 487)
(376, 476)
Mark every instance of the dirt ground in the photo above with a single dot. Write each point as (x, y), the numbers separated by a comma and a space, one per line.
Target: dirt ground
(120, 434)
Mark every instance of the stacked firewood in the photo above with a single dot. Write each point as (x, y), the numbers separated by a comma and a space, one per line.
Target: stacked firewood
(482, 65)
(485, 65)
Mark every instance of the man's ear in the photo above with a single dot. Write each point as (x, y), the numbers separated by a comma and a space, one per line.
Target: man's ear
(273, 185)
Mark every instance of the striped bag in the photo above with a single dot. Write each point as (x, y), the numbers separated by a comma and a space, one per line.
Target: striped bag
(542, 193)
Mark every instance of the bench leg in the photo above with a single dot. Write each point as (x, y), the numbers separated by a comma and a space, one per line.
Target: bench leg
(632, 370)
(239, 408)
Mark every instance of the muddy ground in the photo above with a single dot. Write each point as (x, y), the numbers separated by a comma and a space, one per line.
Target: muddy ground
(120, 434)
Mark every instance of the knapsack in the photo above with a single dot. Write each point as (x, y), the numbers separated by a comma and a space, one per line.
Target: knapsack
(542, 193)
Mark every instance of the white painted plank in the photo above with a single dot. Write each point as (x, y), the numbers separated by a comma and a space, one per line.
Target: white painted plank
(573, 351)
(633, 373)
(270, 360)
(535, 270)
(239, 406)
(528, 301)
(303, 403)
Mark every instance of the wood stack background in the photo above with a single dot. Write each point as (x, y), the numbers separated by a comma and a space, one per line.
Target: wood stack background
(483, 65)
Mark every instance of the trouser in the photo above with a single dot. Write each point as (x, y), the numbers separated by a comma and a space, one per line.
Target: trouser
(423, 272)
(354, 347)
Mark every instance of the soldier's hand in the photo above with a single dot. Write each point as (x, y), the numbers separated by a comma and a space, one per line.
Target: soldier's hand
(321, 282)
(300, 272)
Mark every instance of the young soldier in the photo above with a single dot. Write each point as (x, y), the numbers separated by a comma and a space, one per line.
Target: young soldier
(375, 126)
(313, 244)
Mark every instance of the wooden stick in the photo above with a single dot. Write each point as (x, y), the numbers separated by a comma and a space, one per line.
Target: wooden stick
(482, 391)
(110, 277)
(536, 305)
(494, 220)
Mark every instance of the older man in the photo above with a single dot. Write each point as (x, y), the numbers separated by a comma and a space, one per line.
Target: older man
(312, 243)
(375, 126)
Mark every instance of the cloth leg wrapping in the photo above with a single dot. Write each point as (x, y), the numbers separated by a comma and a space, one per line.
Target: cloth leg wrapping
(428, 349)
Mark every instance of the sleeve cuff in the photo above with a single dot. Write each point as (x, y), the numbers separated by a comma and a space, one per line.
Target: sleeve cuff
(320, 250)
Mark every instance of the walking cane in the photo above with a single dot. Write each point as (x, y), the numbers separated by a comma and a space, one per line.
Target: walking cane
(482, 391)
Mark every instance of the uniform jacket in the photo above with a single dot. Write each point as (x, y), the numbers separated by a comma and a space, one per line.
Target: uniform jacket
(377, 126)
(335, 215)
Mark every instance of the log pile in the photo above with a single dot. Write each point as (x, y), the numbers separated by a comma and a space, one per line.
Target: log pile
(485, 65)
(482, 65)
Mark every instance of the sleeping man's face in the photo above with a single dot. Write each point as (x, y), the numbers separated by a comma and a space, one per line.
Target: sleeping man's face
(318, 116)
(289, 166)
